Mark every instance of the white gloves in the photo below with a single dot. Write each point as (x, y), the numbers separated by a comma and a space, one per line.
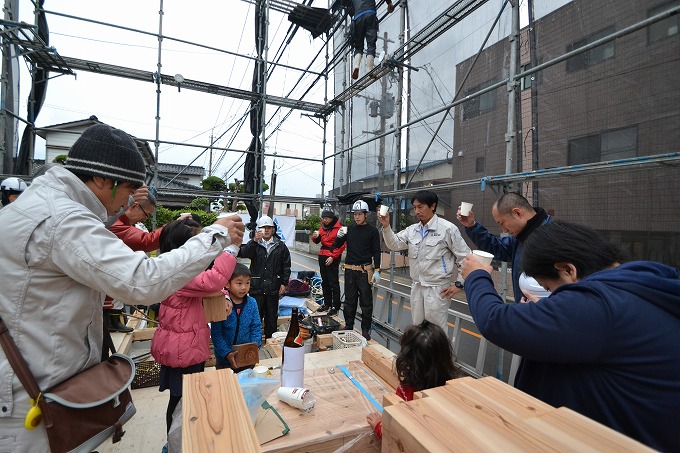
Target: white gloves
(342, 231)
(376, 278)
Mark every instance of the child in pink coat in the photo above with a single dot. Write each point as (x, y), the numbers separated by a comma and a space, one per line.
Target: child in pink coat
(181, 343)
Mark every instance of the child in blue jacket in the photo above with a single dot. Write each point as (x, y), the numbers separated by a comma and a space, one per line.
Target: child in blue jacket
(243, 325)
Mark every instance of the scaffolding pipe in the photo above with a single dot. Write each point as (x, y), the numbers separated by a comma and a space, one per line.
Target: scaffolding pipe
(527, 72)
(170, 38)
(460, 88)
(156, 142)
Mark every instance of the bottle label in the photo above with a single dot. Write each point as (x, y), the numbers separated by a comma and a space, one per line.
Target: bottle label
(298, 340)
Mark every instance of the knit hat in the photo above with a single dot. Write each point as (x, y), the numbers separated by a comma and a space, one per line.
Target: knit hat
(327, 213)
(108, 153)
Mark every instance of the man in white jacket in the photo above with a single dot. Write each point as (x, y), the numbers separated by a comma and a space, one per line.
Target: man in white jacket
(435, 249)
(59, 261)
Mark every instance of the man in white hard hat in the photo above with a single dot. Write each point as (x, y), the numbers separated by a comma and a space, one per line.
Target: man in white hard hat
(362, 267)
(269, 271)
(11, 188)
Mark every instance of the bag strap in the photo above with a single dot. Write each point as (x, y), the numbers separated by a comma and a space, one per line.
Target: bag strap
(16, 360)
(20, 367)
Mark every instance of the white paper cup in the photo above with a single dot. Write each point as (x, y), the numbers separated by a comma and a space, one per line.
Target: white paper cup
(483, 257)
(383, 210)
(226, 214)
(465, 208)
(297, 397)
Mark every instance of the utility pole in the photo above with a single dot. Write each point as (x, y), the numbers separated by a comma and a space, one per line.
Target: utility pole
(8, 94)
(210, 159)
(383, 123)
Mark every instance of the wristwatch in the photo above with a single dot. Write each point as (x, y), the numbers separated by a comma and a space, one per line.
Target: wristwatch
(459, 285)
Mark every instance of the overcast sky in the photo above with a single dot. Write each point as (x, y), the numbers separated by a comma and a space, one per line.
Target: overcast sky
(185, 116)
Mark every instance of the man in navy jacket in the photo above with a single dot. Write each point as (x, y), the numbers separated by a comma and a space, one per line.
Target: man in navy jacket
(604, 343)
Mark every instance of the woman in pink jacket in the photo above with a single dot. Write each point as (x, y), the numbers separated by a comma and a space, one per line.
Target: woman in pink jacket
(181, 343)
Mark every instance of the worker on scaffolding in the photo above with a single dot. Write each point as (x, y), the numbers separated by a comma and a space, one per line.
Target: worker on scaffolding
(364, 27)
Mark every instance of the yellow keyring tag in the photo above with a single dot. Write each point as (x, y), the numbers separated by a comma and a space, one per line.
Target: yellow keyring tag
(34, 415)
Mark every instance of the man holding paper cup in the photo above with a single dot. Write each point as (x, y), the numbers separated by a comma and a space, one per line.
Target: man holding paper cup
(516, 217)
(435, 249)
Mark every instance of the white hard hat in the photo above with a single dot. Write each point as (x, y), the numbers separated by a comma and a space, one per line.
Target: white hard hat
(264, 221)
(360, 205)
(13, 184)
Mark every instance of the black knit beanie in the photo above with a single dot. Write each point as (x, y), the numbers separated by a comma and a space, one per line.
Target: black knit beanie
(108, 153)
(327, 213)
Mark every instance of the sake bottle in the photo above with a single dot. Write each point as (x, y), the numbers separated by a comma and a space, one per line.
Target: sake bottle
(293, 358)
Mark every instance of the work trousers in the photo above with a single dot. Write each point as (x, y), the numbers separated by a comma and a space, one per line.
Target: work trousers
(428, 303)
(357, 289)
(268, 306)
(330, 282)
(365, 27)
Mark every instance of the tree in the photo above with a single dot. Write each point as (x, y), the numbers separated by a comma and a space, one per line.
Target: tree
(213, 184)
(199, 204)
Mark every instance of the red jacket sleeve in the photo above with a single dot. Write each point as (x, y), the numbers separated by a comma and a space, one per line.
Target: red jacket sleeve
(135, 238)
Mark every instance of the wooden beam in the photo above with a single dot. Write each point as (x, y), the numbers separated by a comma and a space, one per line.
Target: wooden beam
(380, 364)
(143, 334)
(487, 415)
(215, 417)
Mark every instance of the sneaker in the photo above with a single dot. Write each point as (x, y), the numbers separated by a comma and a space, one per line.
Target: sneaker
(333, 312)
(323, 308)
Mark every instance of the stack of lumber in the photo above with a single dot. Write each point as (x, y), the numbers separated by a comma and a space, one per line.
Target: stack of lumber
(487, 415)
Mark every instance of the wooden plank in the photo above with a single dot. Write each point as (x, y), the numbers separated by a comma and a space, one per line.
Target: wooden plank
(143, 334)
(391, 399)
(380, 364)
(338, 420)
(215, 308)
(493, 427)
(435, 424)
(214, 414)
(574, 431)
(503, 402)
(325, 340)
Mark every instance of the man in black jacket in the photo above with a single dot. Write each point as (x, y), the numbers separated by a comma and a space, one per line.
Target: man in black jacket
(269, 269)
(362, 267)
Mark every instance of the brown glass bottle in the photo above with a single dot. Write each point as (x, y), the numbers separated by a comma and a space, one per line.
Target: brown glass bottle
(294, 338)
(293, 357)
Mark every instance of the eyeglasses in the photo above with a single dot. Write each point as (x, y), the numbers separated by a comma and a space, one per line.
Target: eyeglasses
(146, 214)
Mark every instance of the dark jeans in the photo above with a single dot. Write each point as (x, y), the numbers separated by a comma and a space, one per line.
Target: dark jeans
(365, 27)
(330, 282)
(269, 310)
(357, 289)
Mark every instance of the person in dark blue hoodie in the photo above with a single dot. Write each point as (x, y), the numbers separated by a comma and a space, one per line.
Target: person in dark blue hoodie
(604, 343)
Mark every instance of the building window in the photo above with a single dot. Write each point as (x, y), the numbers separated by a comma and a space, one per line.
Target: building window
(593, 56)
(527, 81)
(479, 165)
(606, 146)
(480, 104)
(665, 28)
